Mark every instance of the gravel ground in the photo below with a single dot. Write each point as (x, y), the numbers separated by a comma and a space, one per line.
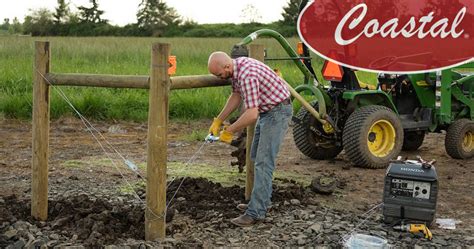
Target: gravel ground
(199, 217)
(87, 208)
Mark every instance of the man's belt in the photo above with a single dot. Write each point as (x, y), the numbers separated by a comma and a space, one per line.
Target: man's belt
(286, 101)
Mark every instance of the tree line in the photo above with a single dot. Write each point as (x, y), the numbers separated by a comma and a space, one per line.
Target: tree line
(154, 18)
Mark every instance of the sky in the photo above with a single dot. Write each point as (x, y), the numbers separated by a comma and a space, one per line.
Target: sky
(121, 12)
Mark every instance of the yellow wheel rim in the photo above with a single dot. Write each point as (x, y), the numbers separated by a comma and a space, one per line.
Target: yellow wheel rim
(468, 142)
(381, 138)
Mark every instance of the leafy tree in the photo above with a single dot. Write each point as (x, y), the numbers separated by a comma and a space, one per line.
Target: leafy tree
(73, 17)
(62, 12)
(16, 27)
(251, 14)
(155, 16)
(290, 12)
(38, 22)
(6, 24)
(92, 14)
(189, 22)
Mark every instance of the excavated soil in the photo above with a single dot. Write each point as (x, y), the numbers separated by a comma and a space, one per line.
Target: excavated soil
(87, 207)
(99, 221)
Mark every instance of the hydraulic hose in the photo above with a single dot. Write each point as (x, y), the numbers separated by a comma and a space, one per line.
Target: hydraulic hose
(287, 47)
(284, 43)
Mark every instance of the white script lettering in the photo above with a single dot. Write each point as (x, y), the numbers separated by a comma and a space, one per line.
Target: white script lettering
(390, 28)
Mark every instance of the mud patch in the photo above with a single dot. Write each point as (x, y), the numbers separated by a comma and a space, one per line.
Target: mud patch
(202, 197)
(96, 220)
(93, 220)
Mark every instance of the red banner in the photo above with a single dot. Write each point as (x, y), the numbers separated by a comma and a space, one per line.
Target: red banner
(403, 36)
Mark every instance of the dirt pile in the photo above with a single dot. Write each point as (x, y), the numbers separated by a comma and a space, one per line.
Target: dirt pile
(197, 195)
(91, 220)
(86, 218)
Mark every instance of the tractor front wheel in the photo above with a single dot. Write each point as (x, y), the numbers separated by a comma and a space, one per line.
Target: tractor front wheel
(372, 136)
(311, 139)
(459, 141)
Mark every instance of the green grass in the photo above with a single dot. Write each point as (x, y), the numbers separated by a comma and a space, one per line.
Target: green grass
(74, 164)
(195, 135)
(227, 176)
(124, 56)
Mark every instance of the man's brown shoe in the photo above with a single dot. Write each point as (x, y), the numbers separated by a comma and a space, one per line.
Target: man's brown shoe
(244, 221)
(243, 207)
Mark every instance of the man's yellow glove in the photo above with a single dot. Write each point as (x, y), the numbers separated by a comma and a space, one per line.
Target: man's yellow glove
(226, 136)
(215, 127)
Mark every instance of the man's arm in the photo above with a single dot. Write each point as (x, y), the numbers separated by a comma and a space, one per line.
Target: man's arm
(233, 103)
(250, 91)
(247, 118)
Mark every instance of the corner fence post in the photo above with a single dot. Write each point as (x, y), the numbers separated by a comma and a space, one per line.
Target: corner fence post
(155, 213)
(40, 132)
(256, 52)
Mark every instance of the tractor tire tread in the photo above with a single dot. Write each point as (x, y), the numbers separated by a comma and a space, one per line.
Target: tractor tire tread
(454, 137)
(351, 136)
(301, 138)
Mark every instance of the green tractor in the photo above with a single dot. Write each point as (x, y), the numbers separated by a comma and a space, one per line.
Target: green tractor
(373, 124)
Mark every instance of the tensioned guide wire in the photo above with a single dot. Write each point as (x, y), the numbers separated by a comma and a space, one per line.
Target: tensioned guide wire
(366, 216)
(108, 145)
(92, 129)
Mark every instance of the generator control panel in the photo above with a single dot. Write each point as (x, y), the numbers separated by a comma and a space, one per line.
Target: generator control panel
(409, 188)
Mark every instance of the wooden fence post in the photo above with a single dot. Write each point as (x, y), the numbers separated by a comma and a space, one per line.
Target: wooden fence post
(256, 52)
(40, 130)
(155, 220)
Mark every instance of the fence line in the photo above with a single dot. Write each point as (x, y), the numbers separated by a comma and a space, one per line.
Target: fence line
(159, 84)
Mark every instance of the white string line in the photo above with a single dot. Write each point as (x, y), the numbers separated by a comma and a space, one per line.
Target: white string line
(84, 119)
(86, 122)
(103, 148)
(193, 157)
(368, 215)
(110, 145)
(182, 180)
(91, 128)
(63, 95)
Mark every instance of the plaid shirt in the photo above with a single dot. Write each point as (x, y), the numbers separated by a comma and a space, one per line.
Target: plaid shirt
(258, 84)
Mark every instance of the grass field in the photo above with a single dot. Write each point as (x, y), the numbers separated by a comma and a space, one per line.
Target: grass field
(126, 56)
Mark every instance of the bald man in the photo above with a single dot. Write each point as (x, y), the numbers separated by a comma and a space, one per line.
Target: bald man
(265, 98)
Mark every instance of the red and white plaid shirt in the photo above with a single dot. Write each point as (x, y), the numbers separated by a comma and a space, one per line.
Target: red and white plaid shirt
(258, 84)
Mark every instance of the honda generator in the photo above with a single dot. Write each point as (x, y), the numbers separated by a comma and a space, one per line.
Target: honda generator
(410, 192)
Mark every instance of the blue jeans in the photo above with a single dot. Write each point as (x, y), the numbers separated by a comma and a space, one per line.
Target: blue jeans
(269, 133)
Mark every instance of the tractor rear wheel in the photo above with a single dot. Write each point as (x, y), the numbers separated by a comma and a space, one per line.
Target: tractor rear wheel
(459, 141)
(311, 139)
(412, 140)
(372, 136)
